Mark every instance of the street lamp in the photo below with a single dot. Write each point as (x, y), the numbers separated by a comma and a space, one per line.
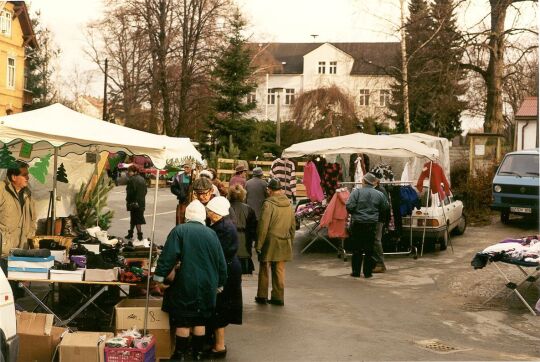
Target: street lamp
(278, 91)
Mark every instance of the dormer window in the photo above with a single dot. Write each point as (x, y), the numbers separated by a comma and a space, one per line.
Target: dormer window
(332, 69)
(5, 23)
(322, 67)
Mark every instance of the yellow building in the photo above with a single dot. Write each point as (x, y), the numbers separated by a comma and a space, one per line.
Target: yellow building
(16, 33)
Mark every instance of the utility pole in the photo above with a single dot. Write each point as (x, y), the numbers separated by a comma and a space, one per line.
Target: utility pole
(105, 115)
(404, 73)
(278, 120)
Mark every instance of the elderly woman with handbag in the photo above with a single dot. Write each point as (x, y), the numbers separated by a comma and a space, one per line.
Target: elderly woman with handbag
(135, 201)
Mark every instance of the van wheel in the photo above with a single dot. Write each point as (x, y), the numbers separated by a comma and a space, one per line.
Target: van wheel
(505, 216)
(461, 226)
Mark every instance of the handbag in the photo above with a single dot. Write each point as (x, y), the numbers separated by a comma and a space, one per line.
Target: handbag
(131, 206)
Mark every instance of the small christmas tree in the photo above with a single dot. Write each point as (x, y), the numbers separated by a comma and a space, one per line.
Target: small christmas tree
(61, 175)
(6, 159)
(40, 169)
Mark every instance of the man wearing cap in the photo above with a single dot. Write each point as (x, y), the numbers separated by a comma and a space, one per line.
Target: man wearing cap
(240, 177)
(202, 273)
(365, 205)
(275, 235)
(181, 188)
(204, 192)
(256, 191)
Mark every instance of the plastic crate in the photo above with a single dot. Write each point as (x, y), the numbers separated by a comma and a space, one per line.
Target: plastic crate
(132, 354)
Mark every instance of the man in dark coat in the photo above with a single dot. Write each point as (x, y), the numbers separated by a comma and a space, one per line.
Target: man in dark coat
(256, 191)
(135, 201)
(191, 298)
(181, 188)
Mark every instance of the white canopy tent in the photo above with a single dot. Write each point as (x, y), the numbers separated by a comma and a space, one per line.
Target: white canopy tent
(362, 143)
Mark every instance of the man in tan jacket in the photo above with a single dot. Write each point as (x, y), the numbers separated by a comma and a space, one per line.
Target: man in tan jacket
(17, 213)
(275, 235)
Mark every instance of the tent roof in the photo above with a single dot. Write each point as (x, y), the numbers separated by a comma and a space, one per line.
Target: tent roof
(362, 143)
(73, 132)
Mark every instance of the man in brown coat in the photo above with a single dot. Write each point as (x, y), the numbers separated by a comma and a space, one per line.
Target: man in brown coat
(275, 235)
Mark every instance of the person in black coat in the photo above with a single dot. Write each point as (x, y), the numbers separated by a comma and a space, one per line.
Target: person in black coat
(181, 188)
(135, 201)
(229, 302)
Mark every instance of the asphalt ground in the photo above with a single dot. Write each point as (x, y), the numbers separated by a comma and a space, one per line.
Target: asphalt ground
(425, 309)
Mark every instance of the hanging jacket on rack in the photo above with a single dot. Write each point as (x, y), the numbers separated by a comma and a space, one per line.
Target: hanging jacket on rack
(331, 178)
(312, 182)
(284, 170)
(335, 216)
(437, 178)
(409, 200)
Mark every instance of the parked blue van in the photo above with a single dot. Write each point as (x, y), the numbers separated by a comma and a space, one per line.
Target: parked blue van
(515, 185)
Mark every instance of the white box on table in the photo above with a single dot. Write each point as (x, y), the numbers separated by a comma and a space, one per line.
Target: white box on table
(67, 275)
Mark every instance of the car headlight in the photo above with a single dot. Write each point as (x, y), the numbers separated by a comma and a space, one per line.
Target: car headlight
(497, 188)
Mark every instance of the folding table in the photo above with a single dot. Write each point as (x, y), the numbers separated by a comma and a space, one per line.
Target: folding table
(528, 277)
(86, 301)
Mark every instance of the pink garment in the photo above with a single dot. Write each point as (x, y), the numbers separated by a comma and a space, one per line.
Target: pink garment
(335, 215)
(312, 182)
(237, 180)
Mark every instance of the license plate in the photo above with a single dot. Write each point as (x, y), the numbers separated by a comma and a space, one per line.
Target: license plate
(525, 210)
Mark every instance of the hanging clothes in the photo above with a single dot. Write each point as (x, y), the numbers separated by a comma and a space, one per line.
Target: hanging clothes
(320, 163)
(359, 169)
(383, 172)
(284, 170)
(437, 178)
(332, 177)
(343, 165)
(409, 200)
(335, 216)
(395, 199)
(312, 182)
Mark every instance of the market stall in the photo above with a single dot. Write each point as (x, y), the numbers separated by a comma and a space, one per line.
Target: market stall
(56, 131)
(360, 143)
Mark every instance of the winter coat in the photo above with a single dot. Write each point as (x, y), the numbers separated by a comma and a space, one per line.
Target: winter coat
(202, 270)
(366, 204)
(256, 194)
(237, 180)
(246, 226)
(136, 191)
(437, 178)
(229, 301)
(180, 187)
(335, 216)
(17, 224)
(275, 231)
(312, 181)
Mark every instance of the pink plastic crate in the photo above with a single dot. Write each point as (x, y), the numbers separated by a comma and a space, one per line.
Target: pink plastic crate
(132, 354)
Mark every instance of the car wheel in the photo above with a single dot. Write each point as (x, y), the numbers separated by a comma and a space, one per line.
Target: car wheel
(505, 216)
(444, 241)
(461, 226)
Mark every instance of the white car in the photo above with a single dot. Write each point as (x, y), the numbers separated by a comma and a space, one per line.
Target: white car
(437, 221)
(9, 341)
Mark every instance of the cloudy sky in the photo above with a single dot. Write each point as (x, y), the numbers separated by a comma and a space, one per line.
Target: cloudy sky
(270, 20)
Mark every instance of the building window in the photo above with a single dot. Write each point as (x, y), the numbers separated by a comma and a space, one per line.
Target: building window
(5, 23)
(10, 72)
(251, 98)
(364, 97)
(271, 96)
(289, 96)
(384, 97)
(322, 67)
(332, 69)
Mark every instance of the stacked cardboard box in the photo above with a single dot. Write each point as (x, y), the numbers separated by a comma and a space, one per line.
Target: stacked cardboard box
(38, 337)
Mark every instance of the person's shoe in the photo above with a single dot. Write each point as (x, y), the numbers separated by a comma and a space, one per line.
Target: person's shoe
(379, 269)
(276, 302)
(261, 300)
(139, 236)
(355, 275)
(199, 356)
(368, 276)
(178, 356)
(129, 236)
(218, 354)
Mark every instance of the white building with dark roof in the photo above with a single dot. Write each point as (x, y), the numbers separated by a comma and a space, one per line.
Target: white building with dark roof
(360, 69)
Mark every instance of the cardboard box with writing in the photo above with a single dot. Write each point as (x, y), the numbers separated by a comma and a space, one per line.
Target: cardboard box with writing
(130, 313)
(38, 337)
(83, 347)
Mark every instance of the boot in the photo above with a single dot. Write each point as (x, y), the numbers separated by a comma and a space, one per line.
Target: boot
(67, 227)
(129, 236)
(197, 343)
(181, 350)
(139, 236)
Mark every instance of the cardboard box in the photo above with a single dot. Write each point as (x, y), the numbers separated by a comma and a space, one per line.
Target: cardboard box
(165, 341)
(83, 347)
(69, 275)
(30, 263)
(38, 337)
(26, 275)
(101, 275)
(130, 313)
(59, 255)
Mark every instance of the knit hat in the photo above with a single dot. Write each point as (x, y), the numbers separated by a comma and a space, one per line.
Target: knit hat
(195, 211)
(274, 184)
(257, 171)
(220, 205)
(370, 179)
(202, 184)
(206, 173)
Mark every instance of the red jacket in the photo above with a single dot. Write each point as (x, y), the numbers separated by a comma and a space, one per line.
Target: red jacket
(335, 215)
(437, 178)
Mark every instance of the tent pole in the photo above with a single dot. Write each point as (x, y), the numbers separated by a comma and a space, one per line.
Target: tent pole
(150, 253)
(97, 186)
(427, 204)
(53, 202)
